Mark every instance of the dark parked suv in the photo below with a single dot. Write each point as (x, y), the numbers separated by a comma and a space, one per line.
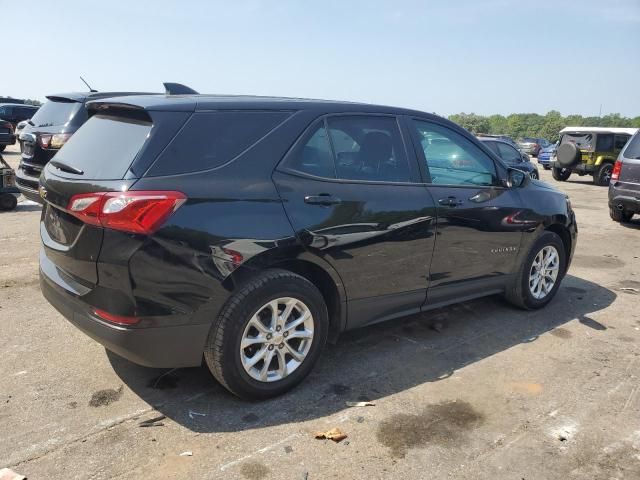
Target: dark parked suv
(250, 230)
(49, 129)
(624, 189)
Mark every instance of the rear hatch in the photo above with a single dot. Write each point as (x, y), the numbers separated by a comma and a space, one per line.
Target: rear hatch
(98, 158)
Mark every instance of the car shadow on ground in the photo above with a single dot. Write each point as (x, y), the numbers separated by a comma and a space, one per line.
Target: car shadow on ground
(634, 223)
(369, 363)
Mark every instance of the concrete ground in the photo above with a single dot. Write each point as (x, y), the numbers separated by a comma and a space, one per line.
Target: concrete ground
(478, 390)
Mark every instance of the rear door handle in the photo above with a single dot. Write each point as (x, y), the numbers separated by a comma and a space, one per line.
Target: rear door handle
(322, 199)
(450, 202)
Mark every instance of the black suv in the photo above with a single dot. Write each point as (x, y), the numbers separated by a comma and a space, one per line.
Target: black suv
(15, 113)
(250, 230)
(49, 129)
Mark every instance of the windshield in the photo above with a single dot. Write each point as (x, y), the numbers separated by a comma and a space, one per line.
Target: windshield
(55, 113)
(582, 140)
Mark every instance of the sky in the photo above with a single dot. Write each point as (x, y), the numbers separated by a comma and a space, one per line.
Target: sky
(491, 56)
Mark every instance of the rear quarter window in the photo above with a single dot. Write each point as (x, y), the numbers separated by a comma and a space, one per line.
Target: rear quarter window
(211, 139)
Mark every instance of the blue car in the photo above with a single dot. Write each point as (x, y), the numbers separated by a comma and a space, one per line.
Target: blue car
(544, 157)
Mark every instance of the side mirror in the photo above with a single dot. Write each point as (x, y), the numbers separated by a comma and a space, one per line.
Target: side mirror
(516, 178)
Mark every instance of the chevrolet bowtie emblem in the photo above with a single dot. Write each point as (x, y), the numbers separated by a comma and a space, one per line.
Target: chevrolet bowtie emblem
(43, 192)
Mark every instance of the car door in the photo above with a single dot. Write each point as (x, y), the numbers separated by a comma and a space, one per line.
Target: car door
(478, 229)
(352, 192)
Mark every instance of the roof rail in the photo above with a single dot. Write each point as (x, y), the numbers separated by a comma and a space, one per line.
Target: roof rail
(178, 89)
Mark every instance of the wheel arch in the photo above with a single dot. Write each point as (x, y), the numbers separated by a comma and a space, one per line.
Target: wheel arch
(563, 232)
(315, 269)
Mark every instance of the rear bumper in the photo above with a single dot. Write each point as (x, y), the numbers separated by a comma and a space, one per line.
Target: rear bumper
(579, 168)
(624, 199)
(158, 347)
(28, 185)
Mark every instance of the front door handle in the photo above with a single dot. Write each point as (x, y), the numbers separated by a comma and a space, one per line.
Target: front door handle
(450, 202)
(323, 199)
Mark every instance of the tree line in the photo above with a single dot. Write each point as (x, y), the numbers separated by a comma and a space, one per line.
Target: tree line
(518, 125)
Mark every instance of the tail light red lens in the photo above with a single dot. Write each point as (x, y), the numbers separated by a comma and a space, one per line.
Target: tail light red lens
(117, 319)
(615, 175)
(134, 212)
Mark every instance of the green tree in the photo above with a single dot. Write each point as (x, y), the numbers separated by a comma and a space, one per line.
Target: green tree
(472, 122)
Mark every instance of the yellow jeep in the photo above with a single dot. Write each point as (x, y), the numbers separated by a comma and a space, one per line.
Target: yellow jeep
(589, 151)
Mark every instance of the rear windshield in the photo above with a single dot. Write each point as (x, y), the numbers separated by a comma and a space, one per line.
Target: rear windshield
(633, 149)
(210, 139)
(582, 140)
(55, 113)
(105, 146)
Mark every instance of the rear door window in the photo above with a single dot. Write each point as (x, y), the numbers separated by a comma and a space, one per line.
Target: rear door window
(211, 139)
(368, 148)
(104, 147)
(313, 155)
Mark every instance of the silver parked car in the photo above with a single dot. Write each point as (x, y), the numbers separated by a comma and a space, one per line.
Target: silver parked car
(533, 145)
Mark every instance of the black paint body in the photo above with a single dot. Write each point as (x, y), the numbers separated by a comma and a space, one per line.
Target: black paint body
(383, 251)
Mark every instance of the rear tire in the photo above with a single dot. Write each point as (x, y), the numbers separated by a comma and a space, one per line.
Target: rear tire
(230, 364)
(523, 293)
(8, 202)
(546, 167)
(602, 176)
(560, 174)
(620, 215)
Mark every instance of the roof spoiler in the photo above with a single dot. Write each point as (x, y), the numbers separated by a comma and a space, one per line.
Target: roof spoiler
(178, 89)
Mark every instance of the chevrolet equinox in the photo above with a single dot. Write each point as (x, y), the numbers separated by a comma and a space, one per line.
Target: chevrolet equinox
(249, 231)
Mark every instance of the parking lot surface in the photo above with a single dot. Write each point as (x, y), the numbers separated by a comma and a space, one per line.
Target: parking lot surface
(477, 390)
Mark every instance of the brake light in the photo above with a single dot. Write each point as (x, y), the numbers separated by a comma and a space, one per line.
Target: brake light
(615, 175)
(134, 212)
(118, 319)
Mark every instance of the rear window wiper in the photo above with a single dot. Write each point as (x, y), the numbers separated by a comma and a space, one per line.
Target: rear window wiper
(66, 168)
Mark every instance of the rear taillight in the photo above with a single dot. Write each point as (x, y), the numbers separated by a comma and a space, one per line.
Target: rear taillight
(53, 141)
(134, 212)
(615, 175)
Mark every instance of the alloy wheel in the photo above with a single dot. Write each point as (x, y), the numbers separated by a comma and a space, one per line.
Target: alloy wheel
(277, 339)
(544, 272)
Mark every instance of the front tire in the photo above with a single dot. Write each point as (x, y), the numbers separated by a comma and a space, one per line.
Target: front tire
(539, 276)
(560, 174)
(268, 336)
